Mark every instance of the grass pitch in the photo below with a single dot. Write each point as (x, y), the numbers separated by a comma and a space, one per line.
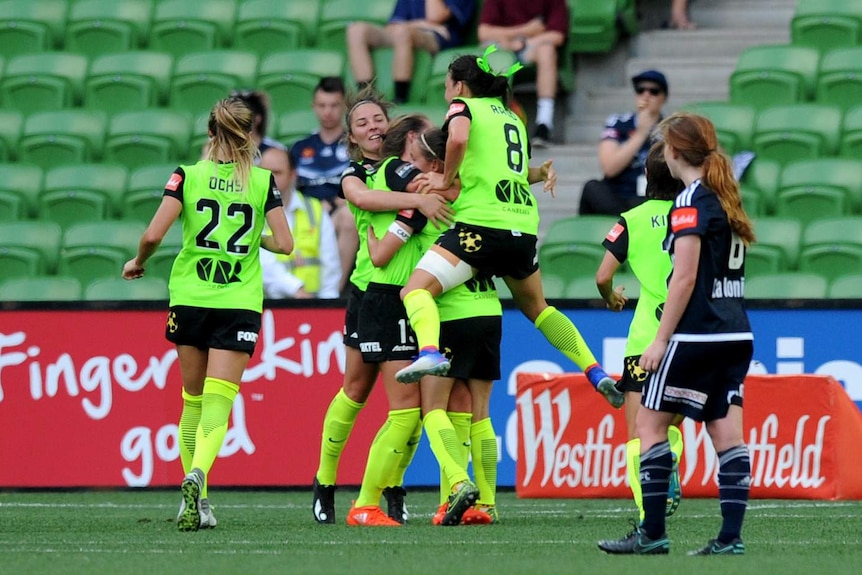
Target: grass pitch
(272, 532)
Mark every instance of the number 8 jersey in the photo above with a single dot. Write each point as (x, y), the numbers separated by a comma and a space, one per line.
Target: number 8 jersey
(495, 192)
(716, 310)
(219, 263)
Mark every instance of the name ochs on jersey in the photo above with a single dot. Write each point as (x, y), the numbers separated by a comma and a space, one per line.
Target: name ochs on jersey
(222, 185)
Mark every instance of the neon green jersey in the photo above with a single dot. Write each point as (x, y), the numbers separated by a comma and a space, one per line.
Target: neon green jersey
(495, 192)
(477, 297)
(219, 263)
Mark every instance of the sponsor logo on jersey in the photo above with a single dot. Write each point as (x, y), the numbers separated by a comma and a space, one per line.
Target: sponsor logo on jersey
(683, 219)
(369, 346)
(174, 182)
(307, 153)
(404, 348)
(404, 169)
(246, 336)
(615, 232)
(455, 108)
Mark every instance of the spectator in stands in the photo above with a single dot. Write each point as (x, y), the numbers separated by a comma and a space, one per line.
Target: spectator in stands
(321, 158)
(314, 268)
(258, 102)
(429, 25)
(534, 30)
(624, 148)
(679, 16)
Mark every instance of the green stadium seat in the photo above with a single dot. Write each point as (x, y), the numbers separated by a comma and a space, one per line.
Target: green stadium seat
(797, 131)
(572, 260)
(593, 26)
(579, 288)
(382, 59)
(128, 81)
(29, 248)
(290, 76)
(846, 287)
(98, 27)
(787, 285)
(119, 289)
(144, 191)
(851, 134)
(553, 286)
(832, 247)
(819, 188)
(20, 186)
(437, 114)
(28, 26)
(62, 137)
(774, 75)
(43, 81)
(733, 123)
(777, 246)
(761, 180)
(82, 193)
(181, 27)
(98, 249)
(839, 81)
(11, 122)
(262, 25)
(500, 61)
(41, 288)
(200, 135)
(293, 126)
(201, 79)
(580, 229)
(503, 291)
(827, 24)
(154, 136)
(335, 15)
(160, 263)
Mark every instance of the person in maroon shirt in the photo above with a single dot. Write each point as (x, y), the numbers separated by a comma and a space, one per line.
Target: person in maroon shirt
(534, 30)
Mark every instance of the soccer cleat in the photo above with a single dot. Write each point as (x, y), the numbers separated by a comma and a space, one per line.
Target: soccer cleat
(190, 513)
(428, 362)
(208, 520)
(463, 497)
(371, 516)
(636, 543)
(541, 136)
(323, 503)
(480, 515)
(440, 514)
(674, 489)
(606, 386)
(397, 510)
(716, 547)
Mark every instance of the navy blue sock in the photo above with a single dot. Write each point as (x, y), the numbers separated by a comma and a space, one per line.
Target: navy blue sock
(734, 483)
(656, 466)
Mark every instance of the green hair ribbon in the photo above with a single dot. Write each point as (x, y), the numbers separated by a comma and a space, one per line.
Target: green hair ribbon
(482, 62)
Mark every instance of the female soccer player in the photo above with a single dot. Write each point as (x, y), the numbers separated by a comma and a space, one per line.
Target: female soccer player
(497, 220)
(638, 239)
(704, 344)
(216, 286)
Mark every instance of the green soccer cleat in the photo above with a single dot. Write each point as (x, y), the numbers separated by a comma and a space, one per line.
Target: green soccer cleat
(716, 547)
(463, 497)
(190, 516)
(674, 489)
(636, 543)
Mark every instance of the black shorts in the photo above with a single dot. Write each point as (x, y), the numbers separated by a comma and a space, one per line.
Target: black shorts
(386, 334)
(351, 316)
(700, 380)
(206, 328)
(634, 377)
(492, 251)
(473, 347)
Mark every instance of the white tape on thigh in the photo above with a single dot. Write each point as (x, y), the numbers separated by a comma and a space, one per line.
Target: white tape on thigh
(448, 275)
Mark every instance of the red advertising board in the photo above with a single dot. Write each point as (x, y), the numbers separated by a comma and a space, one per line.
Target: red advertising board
(572, 444)
(92, 398)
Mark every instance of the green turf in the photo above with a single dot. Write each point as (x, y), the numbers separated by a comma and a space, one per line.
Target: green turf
(132, 532)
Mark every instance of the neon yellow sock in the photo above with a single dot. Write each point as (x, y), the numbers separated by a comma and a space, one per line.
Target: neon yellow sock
(407, 458)
(484, 440)
(385, 454)
(674, 437)
(444, 443)
(217, 401)
(633, 469)
(461, 422)
(424, 317)
(337, 425)
(189, 420)
(563, 335)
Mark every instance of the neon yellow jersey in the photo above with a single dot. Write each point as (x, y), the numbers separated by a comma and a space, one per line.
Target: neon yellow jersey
(495, 192)
(477, 297)
(219, 263)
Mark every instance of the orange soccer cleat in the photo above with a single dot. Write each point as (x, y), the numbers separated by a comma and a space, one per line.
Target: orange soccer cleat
(371, 515)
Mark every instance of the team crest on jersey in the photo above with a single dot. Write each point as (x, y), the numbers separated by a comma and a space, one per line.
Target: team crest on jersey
(470, 241)
(615, 232)
(174, 182)
(455, 108)
(404, 169)
(683, 219)
(349, 171)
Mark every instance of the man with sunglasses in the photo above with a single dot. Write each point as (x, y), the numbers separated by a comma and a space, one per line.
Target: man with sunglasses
(623, 150)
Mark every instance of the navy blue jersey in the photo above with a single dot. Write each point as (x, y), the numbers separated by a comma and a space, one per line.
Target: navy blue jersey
(716, 311)
(319, 166)
(619, 128)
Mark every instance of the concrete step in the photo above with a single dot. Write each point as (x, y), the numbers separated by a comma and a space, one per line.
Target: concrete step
(737, 14)
(686, 73)
(605, 101)
(705, 43)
